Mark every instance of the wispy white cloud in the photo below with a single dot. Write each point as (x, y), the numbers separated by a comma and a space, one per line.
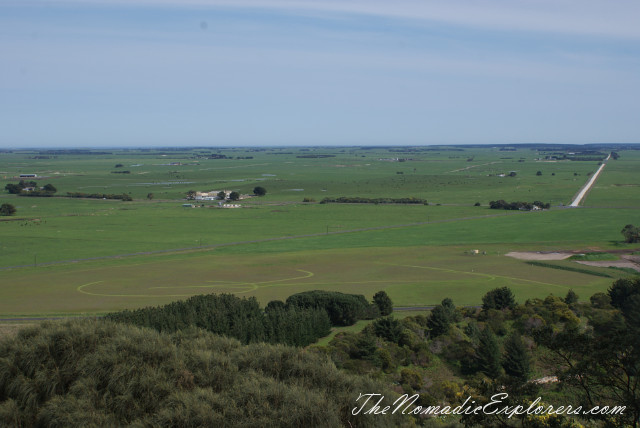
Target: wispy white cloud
(579, 17)
(319, 71)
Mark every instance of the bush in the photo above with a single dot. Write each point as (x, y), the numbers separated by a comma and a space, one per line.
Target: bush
(259, 191)
(631, 234)
(7, 210)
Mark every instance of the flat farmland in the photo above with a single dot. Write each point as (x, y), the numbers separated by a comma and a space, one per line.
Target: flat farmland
(618, 185)
(152, 251)
(452, 175)
(412, 276)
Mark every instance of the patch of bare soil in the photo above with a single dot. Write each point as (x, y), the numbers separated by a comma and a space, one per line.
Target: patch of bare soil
(537, 255)
(631, 262)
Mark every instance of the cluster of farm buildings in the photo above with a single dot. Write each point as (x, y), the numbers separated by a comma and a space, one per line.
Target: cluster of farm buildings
(215, 195)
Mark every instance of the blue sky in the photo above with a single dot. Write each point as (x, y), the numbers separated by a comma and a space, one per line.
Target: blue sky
(97, 73)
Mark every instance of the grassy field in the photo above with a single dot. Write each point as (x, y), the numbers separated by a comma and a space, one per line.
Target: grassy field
(412, 276)
(276, 245)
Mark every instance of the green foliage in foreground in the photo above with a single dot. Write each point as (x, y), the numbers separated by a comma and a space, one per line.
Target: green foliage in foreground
(98, 373)
(568, 353)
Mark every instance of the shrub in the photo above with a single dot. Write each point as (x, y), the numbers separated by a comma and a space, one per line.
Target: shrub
(259, 191)
(7, 209)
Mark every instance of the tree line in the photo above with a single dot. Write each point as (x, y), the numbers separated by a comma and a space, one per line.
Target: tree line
(528, 206)
(360, 200)
(123, 196)
(302, 320)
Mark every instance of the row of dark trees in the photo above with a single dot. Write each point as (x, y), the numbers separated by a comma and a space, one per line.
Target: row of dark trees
(303, 319)
(124, 196)
(359, 200)
(230, 316)
(503, 205)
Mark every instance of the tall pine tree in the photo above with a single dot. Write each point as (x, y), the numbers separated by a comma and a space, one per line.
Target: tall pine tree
(516, 360)
(488, 354)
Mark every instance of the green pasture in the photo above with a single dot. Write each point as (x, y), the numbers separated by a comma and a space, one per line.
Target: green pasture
(460, 176)
(618, 184)
(65, 229)
(412, 276)
(276, 245)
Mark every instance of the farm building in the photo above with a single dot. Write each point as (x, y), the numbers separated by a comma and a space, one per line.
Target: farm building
(206, 196)
(212, 195)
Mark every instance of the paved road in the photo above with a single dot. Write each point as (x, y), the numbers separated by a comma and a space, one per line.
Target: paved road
(589, 184)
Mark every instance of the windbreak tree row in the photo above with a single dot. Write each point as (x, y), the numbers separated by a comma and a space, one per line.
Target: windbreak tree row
(302, 320)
